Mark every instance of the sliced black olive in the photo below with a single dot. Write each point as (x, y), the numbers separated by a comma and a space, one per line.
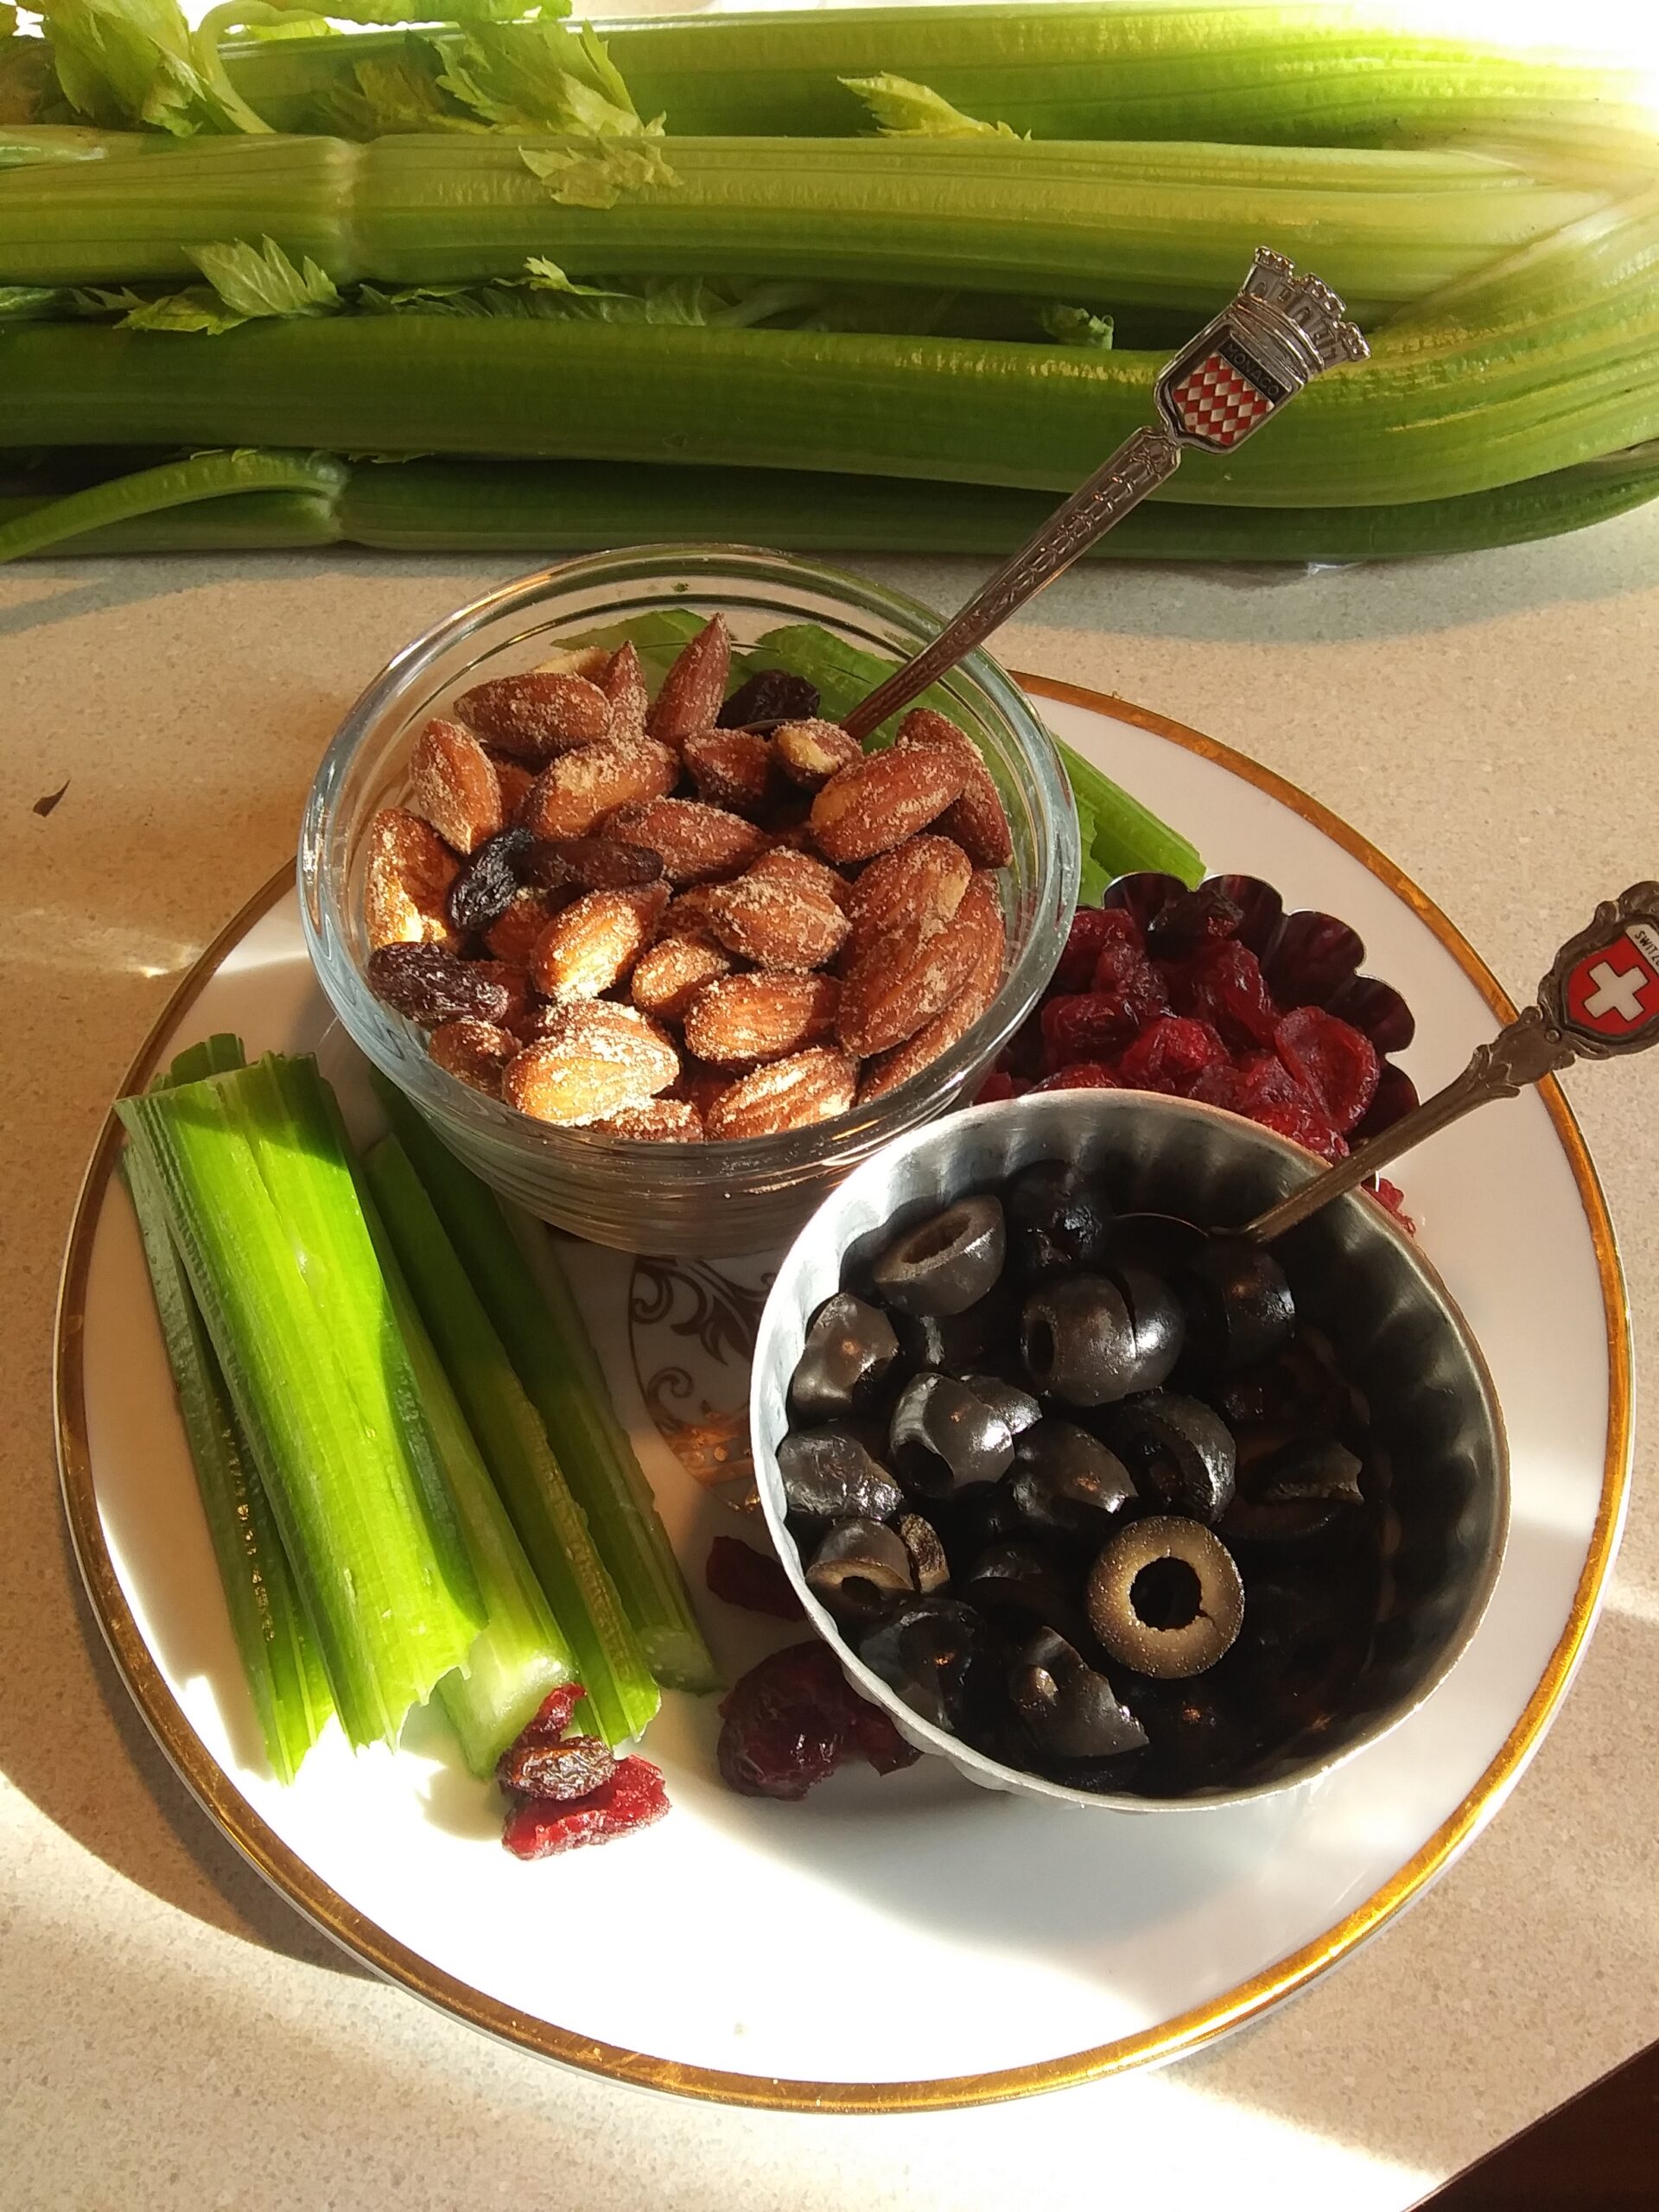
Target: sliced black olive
(1076, 1337)
(848, 1347)
(954, 1342)
(1178, 1450)
(1056, 1220)
(1302, 1490)
(930, 1569)
(859, 1569)
(1301, 1651)
(943, 1437)
(1160, 1324)
(1071, 1709)
(1159, 1242)
(1017, 1406)
(946, 1264)
(829, 1476)
(974, 1519)
(1022, 1579)
(926, 1652)
(1165, 1597)
(1198, 1739)
(1239, 1307)
(1066, 1482)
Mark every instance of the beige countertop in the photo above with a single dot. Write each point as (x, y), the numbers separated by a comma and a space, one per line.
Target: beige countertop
(174, 2034)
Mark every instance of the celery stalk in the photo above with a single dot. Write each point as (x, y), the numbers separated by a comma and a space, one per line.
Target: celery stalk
(550, 1524)
(285, 1676)
(540, 1326)
(261, 1207)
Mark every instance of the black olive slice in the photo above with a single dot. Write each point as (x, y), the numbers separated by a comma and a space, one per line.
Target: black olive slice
(1239, 1306)
(859, 1568)
(848, 1347)
(829, 1476)
(975, 1519)
(1077, 1339)
(946, 1264)
(1056, 1220)
(1071, 1710)
(954, 1342)
(929, 1570)
(1178, 1452)
(926, 1652)
(1302, 1490)
(1065, 1481)
(1021, 1578)
(1165, 1597)
(1162, 1242)
(1017, 1406)
(1160, 1326)
(943, 1437)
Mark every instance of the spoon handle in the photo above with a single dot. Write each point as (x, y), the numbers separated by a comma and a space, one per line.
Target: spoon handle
(1281, 332)
(1599, 999)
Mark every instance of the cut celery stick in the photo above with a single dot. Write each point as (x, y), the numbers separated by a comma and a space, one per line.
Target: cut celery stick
(539, 1323)
(610, 1665)
(285, 1676)
(262, 1209)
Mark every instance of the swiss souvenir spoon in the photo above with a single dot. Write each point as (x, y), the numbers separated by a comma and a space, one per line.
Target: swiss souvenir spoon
(1281, 331)
(1599, 999)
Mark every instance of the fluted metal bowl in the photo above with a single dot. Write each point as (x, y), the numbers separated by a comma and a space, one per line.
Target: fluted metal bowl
(1396, 1334)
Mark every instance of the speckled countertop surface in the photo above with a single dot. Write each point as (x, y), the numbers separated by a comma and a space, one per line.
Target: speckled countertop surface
(173, 2035)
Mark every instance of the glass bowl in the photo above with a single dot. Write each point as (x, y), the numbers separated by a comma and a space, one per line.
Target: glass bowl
(725, 1197)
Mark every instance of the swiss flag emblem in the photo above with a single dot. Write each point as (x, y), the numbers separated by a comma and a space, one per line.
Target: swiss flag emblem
(1614, 991)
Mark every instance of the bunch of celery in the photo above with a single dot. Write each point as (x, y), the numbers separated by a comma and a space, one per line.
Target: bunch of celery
(672, 249)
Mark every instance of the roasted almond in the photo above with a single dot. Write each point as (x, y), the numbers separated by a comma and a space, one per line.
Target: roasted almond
(407, 871)
(787, 864)
(695, 842)
(536, 713)
(884, 799)
(978, 820)
(593, 943)
(743, 1020)
(515, 936)
(701, 1085)
(590, 661)
(515, 779)
(624, 684)
(811, 752)
(574, 796)
(792, 1094)
(730, 768)
(980, 910)
(668, 977)
(774, 921)
(900, 980)
(659, 1120)
(592, 1061)
(694, 687)
(922, 879)
(474, 1053)
(453, 785)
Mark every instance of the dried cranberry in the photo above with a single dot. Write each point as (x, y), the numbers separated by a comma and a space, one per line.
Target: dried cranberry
(431, 986)
(1221, 984)
(877, 1739)
(1258, 905)
(1170, 1055)
(1086, 1026)
(633, 1798)
(1082, 1074)
(1376, 1008)
(1092, 928)
(1254, 1080)
(1396, 1094)
(1333, 1061)
(564, 1770)
(1392, 1199)
(489, 883)
(997, 1086)
(742, 1576)
(771, 695)
(1206, 916)
(792, 1721)
(1310, 956)
(590, 863)
(1304, 1124)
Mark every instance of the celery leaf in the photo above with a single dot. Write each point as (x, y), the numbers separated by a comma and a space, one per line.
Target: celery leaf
(903, 110)
(128, 63)
(1069, 326)
(258, 281)
(29, 302)
(541, 77)
(27, 89)
(390, 93)
(198, 310)
(597, 173)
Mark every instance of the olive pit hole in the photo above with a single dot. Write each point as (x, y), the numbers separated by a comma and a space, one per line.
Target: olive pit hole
(933, 1237)
(1167, 1594)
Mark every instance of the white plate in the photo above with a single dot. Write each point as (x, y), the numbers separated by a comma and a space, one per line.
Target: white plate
(914, 1942)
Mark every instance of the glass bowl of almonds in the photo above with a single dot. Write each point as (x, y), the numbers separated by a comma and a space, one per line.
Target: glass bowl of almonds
(591, 874)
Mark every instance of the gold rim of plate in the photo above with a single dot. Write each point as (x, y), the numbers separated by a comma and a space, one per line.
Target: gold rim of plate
(1187, 2031)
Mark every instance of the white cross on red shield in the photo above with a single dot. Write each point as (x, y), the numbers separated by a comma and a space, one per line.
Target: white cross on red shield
(1614, 990)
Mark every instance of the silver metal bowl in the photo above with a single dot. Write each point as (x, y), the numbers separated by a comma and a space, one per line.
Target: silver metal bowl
(1396, 1333)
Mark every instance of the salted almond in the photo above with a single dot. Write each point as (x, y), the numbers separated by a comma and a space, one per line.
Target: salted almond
(453, 785)
(538, 714)
(977, 820)
(922, 879)
(592, 1060)
(885, 798)
(743, 1020)
(790, 1094)
(811, 752)
(473, 1051)
(592, 944)
(575, 660)
(900, 980)
(788, 864)
(701, 1085)
(515, 779)
(980, 909)
(514, 935)
(774, 921)
(659, 1120)
(407, 874)
(696, 843)
(623, 683)
(694, 687)
(667, 978)
(574, 796)
(730, 768)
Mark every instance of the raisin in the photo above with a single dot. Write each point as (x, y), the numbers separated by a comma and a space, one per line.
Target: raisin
(590, 863)
(790, 1722)
(771, 695)
(488, 884)
(633, 1798)
(431, 986)
(565, 1770)
(1206, 916)
(1170, 1055)
(1336, 1062)
(1223, 984)
(743, 1576)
